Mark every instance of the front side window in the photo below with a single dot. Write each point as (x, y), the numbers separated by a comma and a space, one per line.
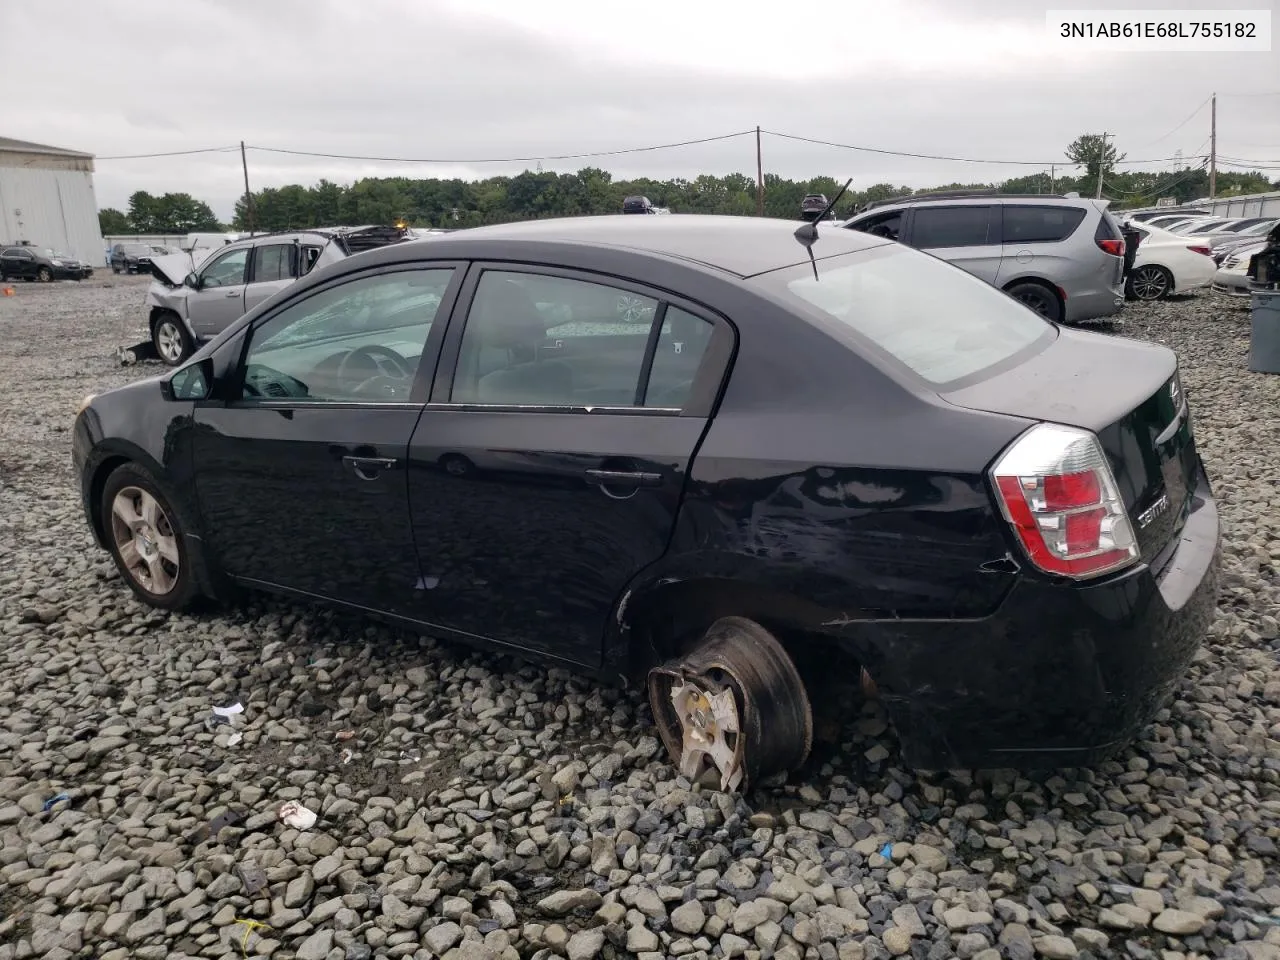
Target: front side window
(359, 341)
(1040, 224)
(273, 262)
(961, 226)
(227, 270)
(941, 322)
(535, 340)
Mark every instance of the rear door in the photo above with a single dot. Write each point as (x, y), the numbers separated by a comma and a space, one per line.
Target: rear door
(967, 235)
(218, 300)
(273, 267)
(548, 467)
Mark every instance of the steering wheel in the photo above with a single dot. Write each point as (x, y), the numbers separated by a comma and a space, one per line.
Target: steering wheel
(389, 364)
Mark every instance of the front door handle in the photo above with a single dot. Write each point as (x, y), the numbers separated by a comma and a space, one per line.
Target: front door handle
(368, 468)
(231, 293)
(625, 478)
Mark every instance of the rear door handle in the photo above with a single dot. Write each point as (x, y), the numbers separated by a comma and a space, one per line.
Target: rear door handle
(368, 468)
(625, 478)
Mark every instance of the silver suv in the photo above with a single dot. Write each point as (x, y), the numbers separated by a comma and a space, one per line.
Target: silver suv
(192, 300)
(1061, 256)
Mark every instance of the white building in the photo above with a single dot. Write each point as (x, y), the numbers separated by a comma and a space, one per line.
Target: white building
(47, 199)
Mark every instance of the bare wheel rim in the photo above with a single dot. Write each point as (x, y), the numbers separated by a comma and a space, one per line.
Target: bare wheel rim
(169, 340)
(1150, 283)
(145, 540)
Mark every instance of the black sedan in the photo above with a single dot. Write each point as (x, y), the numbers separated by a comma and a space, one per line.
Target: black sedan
(41, 263)
(867, 458)
(134, 257)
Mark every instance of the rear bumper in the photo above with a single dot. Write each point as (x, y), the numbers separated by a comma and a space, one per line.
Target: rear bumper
(1061, 674)
(1093, 304)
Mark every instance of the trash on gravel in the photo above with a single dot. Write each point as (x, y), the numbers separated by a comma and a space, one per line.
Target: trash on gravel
(211, 829)
(234, 738)
(296, 815)
(49, 804)
(887, 851)
(345, 735)
(251, 876)
(347, 757)
(144, 352)
(249, 927)
(224, 715)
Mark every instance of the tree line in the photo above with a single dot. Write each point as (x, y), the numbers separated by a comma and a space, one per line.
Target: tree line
(530, 195)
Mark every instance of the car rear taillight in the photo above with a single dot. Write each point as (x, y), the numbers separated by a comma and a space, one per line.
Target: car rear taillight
(1113, 247)
(1204, 250)
(1056, 489)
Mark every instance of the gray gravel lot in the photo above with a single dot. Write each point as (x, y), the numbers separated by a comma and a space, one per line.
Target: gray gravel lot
(488, 808)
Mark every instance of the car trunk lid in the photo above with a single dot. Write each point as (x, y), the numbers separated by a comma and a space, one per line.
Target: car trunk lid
(1129, 394)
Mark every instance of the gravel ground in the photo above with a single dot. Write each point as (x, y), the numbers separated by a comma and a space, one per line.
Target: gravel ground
(472, 806)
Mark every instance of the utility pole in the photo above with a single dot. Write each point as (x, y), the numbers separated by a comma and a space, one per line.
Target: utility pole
(248, 197)
(1053, 179)
(1213, 145)
(759, 176)
(1102, 160)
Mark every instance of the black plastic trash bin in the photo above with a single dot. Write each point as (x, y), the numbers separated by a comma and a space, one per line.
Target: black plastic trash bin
(1264, 338)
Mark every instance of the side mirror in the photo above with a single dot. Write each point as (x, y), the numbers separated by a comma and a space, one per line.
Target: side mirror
(191, 280)
(193, 382)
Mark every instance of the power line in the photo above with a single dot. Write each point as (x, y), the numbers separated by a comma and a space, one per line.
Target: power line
(531, 159)
(1181, 125)
(930, 156)
(171, 153)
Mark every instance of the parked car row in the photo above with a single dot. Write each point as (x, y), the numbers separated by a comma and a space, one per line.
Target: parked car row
(26, 262)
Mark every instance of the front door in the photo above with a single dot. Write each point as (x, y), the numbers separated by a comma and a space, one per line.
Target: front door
(966, 235)
(19, 264)
(548, 468)
(301, 475)
(218, 300)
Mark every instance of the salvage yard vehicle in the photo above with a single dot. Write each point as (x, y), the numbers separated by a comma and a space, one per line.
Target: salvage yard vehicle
(840, 448)
(1167, 264)
(41, 263)
(1232, 278)
(1061, 256)
(197, 294)
(134, 257)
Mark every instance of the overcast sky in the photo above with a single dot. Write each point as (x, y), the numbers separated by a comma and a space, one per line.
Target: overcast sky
(467, 80)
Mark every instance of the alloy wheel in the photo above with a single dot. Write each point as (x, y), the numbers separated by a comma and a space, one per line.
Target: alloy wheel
(145, 540)
(169, 341)
(1039, 302)
(1150, 283)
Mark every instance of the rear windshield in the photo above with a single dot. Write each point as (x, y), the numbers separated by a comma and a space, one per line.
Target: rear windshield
(941, 322)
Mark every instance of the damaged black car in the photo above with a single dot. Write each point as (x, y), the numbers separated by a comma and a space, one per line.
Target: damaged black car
(693, 450)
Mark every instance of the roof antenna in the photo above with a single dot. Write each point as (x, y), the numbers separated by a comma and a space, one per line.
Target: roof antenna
(807, 233)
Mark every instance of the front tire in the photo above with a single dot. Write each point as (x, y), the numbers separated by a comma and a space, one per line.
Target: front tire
(45, 275)
(146, 539)
(1039, 298)
(170, 338)
(1149, 282)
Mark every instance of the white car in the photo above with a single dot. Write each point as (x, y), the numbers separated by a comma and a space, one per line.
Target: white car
(1230, 278)
(1167, 264)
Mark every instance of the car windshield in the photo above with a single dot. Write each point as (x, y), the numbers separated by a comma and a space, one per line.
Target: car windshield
(137, 249)
(936, 319)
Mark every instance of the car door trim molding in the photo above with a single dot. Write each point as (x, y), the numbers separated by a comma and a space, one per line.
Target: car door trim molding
(707, 384)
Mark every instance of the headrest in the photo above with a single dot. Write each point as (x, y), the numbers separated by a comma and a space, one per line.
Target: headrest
(504, 315)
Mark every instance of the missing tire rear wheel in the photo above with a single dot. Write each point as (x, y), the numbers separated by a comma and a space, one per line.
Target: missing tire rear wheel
(735, 705)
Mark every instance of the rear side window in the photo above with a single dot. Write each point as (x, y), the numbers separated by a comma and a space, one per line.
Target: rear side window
(273, 262)
(933, 227)
(941, 322)
(884, 225)
(1035, 224)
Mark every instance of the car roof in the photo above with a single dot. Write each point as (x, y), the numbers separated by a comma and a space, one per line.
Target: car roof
(743, 246)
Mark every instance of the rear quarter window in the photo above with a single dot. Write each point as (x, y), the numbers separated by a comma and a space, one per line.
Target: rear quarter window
(939, 321)
(1040, 224)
